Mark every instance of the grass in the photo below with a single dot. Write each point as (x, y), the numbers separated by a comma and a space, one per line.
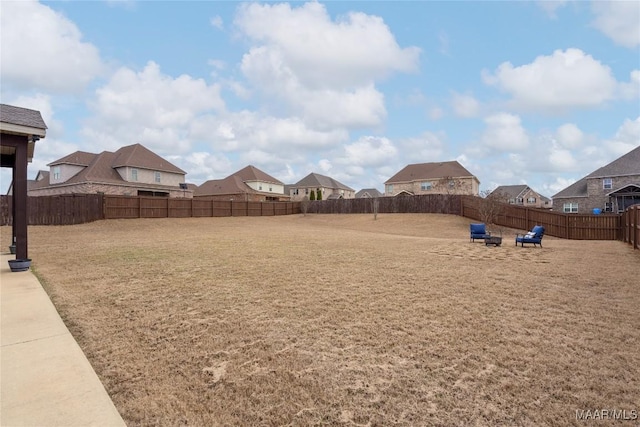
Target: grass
(343, 320)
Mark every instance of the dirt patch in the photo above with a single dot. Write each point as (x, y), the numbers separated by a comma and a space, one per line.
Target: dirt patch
(340, 319)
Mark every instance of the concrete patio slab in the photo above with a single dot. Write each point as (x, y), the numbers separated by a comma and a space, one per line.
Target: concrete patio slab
(46, 380)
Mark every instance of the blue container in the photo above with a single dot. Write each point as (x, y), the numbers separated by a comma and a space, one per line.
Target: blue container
(597, 211)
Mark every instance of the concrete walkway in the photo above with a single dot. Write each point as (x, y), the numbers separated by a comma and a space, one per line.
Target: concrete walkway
(45, 378)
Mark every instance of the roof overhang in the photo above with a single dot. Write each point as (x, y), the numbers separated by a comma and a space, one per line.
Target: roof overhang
(31, 135)
(629, 189)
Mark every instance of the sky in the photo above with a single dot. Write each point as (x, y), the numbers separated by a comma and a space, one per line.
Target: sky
(519, 92)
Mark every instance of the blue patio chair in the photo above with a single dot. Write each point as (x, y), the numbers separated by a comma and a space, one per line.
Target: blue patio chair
(534, 236)
(478, 231)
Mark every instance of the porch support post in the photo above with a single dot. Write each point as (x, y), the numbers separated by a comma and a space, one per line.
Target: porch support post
(20, 217)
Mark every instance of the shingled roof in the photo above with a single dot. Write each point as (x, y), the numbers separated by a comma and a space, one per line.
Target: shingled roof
(433, 170)
(134, 156)
(236, 183)
(368, 192)
(21, 117)
(252, 173)
(138, 156)
(78, 158)
(230, 185)
(321, 181)
(629, 164)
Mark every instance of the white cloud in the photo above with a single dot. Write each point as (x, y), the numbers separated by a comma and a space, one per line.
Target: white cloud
(370, 151)
(627, 138)
(551, 6)
(631, 90)
(217, 22)
(203, 166)
(43, 50)
(569, 135)
(427, 147)
(246, 130)
(464, 105)
(504, 132)
(558, 185)
(565, 79)
(561, 159)
(322, 53)
(151, 108)
(618, 20)
(318, 69)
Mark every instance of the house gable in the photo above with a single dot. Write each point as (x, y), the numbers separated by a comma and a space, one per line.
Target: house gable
(522, 195)
(259, 180)
(433, 178)
(329, 187)
(249, 183)
(596, 190)
(113, 173)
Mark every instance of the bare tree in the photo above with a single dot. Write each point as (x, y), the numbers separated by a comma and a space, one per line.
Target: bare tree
(304, 205)
(375, 205)
(491, 207)
(448, 186)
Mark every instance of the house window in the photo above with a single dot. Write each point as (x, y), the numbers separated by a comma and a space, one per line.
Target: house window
(134, 174)
(389, 188)
(531, 200)
(270, 188)
(295, 191)
(607, 184)
(570, 208)
(306, 191)
(158, 176)
(425, 186)
(452, 183)
(608, 207)
(56, 173)
(260, 187)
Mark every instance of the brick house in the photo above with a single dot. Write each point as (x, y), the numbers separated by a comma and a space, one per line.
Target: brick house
(248, 184)
(612, 188)
(328, 187)
(522, 195)
(368, 193)
(133, 170)
(432, 178)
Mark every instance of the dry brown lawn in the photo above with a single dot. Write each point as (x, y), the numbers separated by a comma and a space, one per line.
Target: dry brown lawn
(343, 320)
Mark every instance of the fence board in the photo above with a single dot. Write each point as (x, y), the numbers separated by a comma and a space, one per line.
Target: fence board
(79, 208)
(65, 209)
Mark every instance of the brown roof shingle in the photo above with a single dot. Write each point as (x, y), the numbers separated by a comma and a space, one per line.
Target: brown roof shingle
(628, 164)
(317, 180)
(252, 173)
(434, 170)
(21, 116)
(138, 156)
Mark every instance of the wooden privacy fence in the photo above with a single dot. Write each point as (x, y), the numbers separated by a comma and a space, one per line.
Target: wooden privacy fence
(80, 208)
(631, 226)
(558, 224)
(156, 207)
(428, 203)
(65, 209)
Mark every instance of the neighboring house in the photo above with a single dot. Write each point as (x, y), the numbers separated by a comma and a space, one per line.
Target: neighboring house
(248, 184)
(329, 188)
(133, 170)
(368, 193)
(433, 178)
(522, 195)
(612, 188)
